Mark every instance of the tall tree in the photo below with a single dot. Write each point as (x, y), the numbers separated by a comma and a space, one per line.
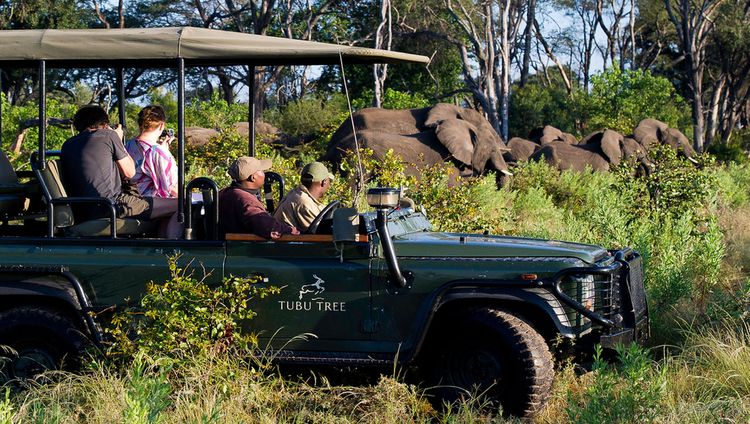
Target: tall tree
(693, 22)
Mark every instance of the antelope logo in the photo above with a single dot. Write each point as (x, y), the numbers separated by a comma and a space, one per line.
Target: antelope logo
(315, 288)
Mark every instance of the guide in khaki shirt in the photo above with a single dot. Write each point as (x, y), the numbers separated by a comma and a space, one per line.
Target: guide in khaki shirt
(301, 205)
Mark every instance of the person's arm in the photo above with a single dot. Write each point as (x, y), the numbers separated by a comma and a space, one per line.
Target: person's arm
(306, 214)
(122, 158)
(258, 221)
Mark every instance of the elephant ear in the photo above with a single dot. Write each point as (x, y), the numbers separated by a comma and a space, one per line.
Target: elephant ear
(441, 112)
(611, 146)
(458, 136)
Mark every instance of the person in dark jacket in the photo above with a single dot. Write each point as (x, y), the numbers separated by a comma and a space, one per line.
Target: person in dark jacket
(240, 209)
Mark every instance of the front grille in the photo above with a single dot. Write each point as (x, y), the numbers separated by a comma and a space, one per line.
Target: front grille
(603, 290)
(636, 287)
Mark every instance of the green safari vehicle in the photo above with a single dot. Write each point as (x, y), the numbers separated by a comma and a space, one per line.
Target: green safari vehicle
(472, 312)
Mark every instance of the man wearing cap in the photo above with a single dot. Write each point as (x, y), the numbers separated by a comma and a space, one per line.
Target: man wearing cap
(301, 205)
(240, 210)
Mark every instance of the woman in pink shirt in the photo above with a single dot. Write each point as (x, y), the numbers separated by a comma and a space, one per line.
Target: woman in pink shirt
(155, 167)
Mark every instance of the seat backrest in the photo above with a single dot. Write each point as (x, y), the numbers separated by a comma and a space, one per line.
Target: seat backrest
(7, 173)
(50, 179)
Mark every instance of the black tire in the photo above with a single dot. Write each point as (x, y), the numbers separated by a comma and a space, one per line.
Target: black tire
(493, 354)
(41, 339)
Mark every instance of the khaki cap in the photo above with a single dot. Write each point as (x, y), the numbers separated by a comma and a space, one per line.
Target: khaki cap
(315, 172)
(245, 166)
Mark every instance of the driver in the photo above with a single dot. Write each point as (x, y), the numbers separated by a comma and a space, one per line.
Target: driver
(301, 205)
(240, 210)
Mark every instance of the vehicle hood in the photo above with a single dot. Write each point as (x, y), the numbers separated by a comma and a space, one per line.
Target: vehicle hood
(425, 244)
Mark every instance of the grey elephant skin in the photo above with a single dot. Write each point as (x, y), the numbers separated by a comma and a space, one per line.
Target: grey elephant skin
(601, 149)
(426, 136)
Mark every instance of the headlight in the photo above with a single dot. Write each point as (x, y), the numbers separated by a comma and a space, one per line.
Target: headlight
(585, 290)
(383, 197)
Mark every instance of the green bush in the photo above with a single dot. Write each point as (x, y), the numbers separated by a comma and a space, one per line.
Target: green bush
(184, 317)
(309, 116)
(536, 105)
(214, 113)
(619, 100)
(628, 393)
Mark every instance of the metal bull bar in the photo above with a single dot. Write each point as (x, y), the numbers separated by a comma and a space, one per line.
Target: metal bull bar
(621, 268)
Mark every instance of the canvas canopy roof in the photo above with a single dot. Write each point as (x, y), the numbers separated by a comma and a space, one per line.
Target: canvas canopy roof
(161, 46)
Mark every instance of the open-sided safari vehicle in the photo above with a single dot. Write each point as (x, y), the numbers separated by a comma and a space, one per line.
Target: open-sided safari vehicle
(474, 313)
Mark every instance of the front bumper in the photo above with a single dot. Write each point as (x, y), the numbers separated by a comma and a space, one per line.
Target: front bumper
(619, 304)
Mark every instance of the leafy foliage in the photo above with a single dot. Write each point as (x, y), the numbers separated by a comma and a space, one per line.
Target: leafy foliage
(536, 105)
(619, 100)
(308, 116)
(184, 317)
(629, 393)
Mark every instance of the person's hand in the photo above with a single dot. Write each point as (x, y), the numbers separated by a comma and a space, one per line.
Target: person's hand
(166, 141)
(275, 235)
(295, 231)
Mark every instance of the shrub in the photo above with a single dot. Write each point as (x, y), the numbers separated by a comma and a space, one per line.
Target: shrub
(185, 317)
(619, 100)
(628, 393)
(214, 113)
(309, 116)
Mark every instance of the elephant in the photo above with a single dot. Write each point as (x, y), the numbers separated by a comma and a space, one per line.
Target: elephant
(197, 136)
(430, 135)
(647, 132)
(650, 131)
(566, 156)
(617, 148)
(548, 134)
(520, 150)
(675, 139)
(468, 136)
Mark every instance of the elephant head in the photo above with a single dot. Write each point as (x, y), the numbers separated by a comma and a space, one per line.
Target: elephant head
(675, 139)
(609, 144)
(468, 137)
(647, 132)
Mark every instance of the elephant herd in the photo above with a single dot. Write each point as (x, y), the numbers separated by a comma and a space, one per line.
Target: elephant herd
(465, 139)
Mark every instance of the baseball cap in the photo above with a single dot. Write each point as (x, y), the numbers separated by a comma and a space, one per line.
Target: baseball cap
(315, 172)
(245, 166)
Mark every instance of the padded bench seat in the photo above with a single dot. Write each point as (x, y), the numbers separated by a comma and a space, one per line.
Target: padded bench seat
(100, 227)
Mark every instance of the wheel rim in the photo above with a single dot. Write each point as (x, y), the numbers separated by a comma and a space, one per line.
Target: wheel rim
(475, 368)
(33, 361)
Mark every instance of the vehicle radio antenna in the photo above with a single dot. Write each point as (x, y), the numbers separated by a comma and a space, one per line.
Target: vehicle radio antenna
(360, 169)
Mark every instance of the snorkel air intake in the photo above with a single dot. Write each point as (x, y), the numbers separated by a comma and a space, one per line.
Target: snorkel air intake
(382, 199)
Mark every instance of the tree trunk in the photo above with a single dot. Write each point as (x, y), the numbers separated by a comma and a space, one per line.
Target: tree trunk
(383, 38)
(713, 112)
(530, 17)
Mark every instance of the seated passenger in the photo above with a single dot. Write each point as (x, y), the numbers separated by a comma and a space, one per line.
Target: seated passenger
(240, 210)
(155, 167)
(301, 205)
(94, 163)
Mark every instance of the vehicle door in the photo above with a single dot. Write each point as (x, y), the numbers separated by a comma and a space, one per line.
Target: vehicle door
(325, 292)
(111, 271)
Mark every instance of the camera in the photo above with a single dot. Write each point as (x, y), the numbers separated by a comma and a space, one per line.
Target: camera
(167, 133)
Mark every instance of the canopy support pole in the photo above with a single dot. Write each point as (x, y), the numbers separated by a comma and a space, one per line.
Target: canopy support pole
(121, 96)
(42, 113)
(251, 109)
(1, 109)
(180, 140)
